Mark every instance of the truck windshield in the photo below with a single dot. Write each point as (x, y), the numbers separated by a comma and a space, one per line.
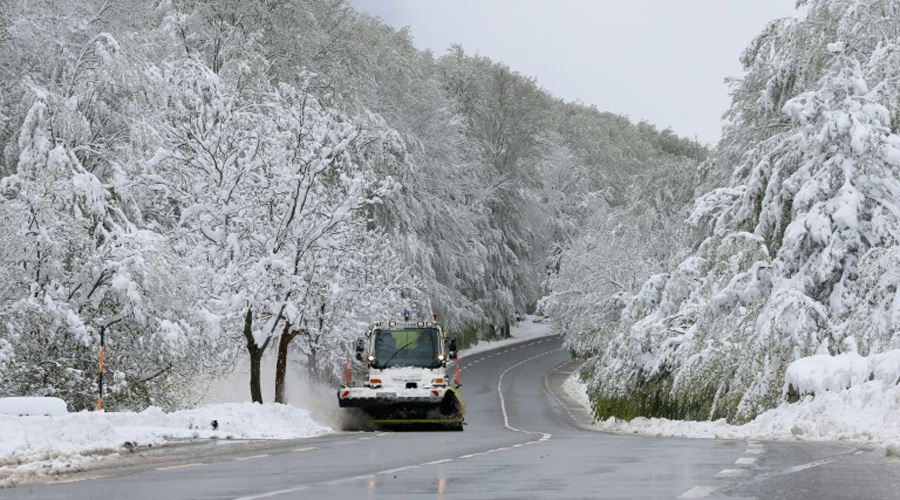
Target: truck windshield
(417, 347)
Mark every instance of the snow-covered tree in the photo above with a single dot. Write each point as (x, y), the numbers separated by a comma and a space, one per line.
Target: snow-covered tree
(192, 177)
(813, 196)
(261, 179)
(80, 267)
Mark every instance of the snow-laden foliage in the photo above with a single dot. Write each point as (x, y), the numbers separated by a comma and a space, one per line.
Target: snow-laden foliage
(198, 181)
(75, 265)
(610, 257)
(802, 243)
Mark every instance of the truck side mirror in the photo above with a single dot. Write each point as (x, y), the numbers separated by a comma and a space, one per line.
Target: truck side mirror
(360, 348)
(452, 348)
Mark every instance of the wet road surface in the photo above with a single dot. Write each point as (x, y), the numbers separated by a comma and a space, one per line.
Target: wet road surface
(523, 440)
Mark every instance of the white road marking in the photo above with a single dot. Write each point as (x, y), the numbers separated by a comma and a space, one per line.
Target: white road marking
(274, 493)
(251, 457)
(394, 471)
(308, 448)
(698, 492)
(817, 463)
(503, 400)
(753, 448)
(556, 398)
(731, 472)
(544, 437)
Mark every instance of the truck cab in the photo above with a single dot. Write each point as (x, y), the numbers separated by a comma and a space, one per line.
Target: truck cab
(407, 380)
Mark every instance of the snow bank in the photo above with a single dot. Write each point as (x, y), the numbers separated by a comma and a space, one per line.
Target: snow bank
(856, 399)
(32, 406)
(821, 373)
(42, 445)
(66, 442)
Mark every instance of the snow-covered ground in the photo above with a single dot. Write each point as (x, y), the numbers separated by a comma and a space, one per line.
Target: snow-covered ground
(842, 398)
(856, 399)
(529, 327)
(40, 445)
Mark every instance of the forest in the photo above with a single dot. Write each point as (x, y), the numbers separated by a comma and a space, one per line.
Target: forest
(205, 182)
(795, 246)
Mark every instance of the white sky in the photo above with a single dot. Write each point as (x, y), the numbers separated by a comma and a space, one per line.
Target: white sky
(663, 61)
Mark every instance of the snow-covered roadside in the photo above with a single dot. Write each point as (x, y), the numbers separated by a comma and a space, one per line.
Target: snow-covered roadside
(530, 327)
(44, 445)
(867, 413)
(31, 446)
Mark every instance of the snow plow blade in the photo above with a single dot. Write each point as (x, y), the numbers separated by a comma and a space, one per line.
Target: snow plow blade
(438, 408)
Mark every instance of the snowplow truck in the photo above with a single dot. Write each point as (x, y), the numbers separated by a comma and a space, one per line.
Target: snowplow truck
(408, 380)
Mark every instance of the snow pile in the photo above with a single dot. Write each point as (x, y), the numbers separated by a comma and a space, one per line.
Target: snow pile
(856, 399)
(32, 406)
(817, 374)
(235, 420)
(42, 445)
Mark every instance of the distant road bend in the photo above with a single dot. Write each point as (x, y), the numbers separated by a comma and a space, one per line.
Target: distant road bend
(524, 440)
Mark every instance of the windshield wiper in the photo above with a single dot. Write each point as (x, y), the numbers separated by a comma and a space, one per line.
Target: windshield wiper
(411, 342)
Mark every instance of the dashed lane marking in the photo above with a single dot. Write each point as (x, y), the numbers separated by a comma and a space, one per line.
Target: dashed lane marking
(393, 471)
(544, 437)
(731, 472)
(307, 448)
(703, 491)
(503, 400)
(556, 398)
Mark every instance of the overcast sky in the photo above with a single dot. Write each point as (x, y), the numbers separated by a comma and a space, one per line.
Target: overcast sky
(663, 61)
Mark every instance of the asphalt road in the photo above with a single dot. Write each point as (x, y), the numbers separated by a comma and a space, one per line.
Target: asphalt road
(523, 440)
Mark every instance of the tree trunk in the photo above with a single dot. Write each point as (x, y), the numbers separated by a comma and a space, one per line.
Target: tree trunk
(256, 353)
(281, 365)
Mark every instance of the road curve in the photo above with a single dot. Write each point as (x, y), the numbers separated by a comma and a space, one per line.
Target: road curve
(523, 440)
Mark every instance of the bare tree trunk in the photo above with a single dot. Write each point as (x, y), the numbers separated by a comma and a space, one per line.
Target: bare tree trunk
(256, 353)
(281, 365)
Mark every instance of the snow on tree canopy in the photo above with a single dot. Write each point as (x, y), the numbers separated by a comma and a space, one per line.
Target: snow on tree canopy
(801, 247)
(188, 195)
